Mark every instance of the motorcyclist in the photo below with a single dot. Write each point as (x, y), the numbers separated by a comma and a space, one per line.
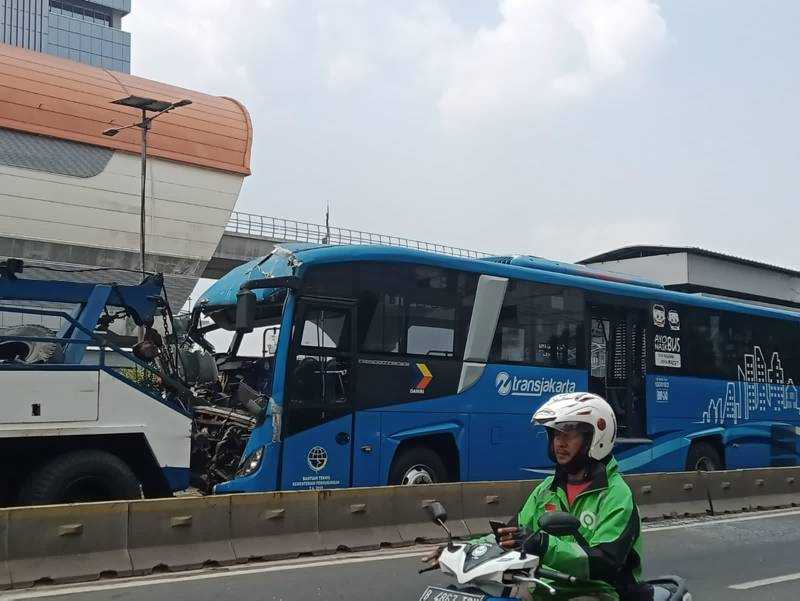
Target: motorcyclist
(606, 555)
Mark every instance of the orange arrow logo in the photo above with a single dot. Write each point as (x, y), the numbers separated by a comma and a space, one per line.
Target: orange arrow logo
(426, 376)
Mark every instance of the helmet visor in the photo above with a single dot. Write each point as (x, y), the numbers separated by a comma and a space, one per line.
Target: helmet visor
(565, 426)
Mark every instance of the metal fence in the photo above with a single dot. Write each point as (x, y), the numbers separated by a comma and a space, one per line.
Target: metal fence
(276, 228)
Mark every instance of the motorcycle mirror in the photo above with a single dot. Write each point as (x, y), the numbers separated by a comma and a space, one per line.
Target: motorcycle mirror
(437, 512)
(559, 523)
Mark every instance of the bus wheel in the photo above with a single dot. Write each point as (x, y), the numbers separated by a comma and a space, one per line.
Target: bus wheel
(703, 457)
(418, 465)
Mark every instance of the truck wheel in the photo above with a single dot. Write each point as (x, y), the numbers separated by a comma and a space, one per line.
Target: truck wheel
(418, 465)
(703, 457)
(28, 351)
(81, 476)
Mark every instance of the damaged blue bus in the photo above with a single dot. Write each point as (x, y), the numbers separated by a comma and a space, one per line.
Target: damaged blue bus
(395, 366)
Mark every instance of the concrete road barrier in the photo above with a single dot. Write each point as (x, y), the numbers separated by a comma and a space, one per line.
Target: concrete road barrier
(414, 522)
(730, 491)
(82, 542)
(743, 490)
(5, 573)
(499, 501)
(677, 494)
(776, 487)
(358, 518)
(180, 533)
(274, 525)
(63, 543)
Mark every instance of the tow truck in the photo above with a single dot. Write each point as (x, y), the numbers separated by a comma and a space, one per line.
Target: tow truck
(119, 421)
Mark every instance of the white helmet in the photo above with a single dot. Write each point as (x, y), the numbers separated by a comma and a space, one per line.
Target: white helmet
(565, 410)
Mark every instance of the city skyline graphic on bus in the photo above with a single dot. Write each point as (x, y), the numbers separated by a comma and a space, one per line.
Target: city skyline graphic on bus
(760, 387)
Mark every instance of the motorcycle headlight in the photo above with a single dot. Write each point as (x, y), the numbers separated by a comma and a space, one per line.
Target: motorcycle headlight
(251, 463)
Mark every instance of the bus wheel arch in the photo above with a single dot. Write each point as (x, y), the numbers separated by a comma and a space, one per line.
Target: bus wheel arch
(706, 454)
(425, 460)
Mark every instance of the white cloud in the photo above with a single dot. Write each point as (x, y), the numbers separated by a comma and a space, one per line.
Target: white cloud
(544, 51)
(204, 44)
(539, 52)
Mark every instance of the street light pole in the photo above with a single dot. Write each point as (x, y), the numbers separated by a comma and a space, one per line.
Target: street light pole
(159, 107)
(145, 125)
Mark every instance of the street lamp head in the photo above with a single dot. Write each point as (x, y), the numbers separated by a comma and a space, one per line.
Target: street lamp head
(111, 132)
(143, 103)
(184, 102)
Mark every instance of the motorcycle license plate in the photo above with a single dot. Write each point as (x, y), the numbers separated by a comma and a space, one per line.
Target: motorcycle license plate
(434, 593)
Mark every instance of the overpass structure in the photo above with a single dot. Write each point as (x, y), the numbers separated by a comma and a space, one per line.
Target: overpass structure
(248, 235)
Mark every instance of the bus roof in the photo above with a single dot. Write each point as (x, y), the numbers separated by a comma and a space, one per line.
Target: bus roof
(572, 269)
(223, 292)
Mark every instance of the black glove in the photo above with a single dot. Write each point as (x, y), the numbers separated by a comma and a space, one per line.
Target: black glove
(535, 544)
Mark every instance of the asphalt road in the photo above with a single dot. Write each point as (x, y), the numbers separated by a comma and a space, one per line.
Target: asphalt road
(750, 556)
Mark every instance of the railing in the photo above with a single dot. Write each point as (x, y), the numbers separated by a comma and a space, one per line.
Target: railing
(137, 373)
(276, 228)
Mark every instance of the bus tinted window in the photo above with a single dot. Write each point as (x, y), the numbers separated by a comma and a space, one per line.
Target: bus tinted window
(705, 350)
(381, 307)
(540, 325)
(722, 343)
(414, 309)
(335, 280)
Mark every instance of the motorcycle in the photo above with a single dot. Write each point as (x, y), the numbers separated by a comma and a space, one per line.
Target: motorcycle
(485, 571)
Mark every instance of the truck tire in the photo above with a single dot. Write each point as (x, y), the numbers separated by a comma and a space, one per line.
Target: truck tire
(81, 476)
(418, 465)
(29, 351)
(703, 457)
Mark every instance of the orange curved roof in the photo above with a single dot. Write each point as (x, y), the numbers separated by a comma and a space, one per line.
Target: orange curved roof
(43, 94)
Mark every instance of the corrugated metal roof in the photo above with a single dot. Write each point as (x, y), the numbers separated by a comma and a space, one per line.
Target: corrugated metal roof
(631, 252)
(43, 94)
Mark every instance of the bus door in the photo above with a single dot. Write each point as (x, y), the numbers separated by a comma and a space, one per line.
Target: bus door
(318, 418)
(617, 366)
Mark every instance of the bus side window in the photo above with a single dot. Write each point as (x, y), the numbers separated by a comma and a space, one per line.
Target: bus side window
(540, 324)
(381, 307)
(416, 309)
(318, 377)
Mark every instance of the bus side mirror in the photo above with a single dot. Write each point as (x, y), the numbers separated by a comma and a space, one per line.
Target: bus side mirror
(246, 302)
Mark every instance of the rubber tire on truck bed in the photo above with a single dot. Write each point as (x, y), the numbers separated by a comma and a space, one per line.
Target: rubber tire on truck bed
(89, 475)
(29, 351)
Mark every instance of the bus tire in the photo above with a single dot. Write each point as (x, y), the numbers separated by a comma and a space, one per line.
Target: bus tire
(418, 465)
(81, 476)
(703, 457)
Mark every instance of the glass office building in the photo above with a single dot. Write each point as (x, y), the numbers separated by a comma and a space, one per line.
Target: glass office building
(87, 32)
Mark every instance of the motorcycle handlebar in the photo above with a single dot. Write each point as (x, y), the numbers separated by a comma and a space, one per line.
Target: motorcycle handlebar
(555, 574)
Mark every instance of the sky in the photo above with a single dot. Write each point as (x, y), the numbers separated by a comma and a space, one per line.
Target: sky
(559, 128)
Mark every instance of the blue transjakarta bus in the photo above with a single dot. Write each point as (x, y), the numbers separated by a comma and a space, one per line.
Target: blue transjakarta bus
(394, 366)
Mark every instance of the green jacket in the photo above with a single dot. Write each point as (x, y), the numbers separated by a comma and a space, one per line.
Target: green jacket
(606, 555)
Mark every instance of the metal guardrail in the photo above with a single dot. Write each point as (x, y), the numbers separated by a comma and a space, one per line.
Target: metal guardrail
(147, 374)
(62, 543)
(277, 228)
